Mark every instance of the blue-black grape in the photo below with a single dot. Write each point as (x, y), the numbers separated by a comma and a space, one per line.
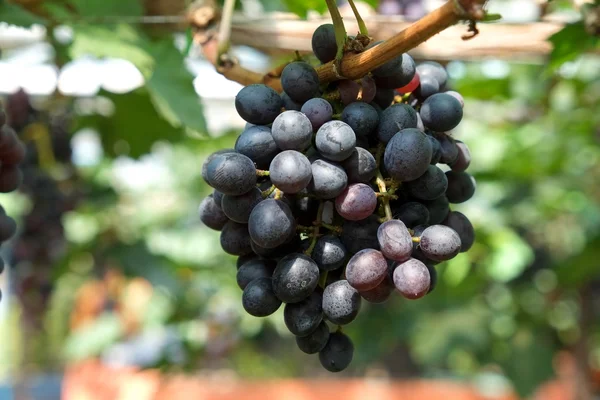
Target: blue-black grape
(433, 277)
(384, 97)
(441, 112)
(436, 150)
(361, 117)
(300, 81)
(241, 260)
(231, 173)
(341, 302)
(438, 209)
(295, 278)
(323, 43)
(463, 160)
(429, 186)
(395, 240)
(366, 269)
(253, 269)
(238, 208)
(257, 144)
(457, 96)
(290, 171)
(358, 235)
(329, 253)
(211, 214)
(318, 111)
(337, 354)
(407, 155)
(356, 202)
(292, 130)
(362, 90)
(461, 224)
(428, 86)
(360, 166)
(440, 243)
(412, 279)
(290, 104)
(314, 342)
(412, 214)
(304, 317)
(394, 119)
(271, 223)
(259, 299)
(218, 196)
(258, 104)
(335, 140)
(210, 158)
(235, 239)
(449, 150)
(461, 187)
(328, 179)
(434, 70)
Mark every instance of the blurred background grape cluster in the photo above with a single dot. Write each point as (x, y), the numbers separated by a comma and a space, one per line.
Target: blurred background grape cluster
(111, 262)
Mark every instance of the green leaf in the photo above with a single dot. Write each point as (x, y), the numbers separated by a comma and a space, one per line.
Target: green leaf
(172, 90)
(135, 124)
(16, 15)
(105, 8)
(569, 43)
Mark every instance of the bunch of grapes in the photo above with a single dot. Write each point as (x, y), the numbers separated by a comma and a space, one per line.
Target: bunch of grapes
(12, 153)
(336, 194)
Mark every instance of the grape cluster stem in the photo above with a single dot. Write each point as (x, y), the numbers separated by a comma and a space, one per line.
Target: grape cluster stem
(315, 232)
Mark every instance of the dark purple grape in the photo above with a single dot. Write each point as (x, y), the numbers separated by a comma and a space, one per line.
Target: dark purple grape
(461, 187)
(300, 81)
(290, 171)
(258, 298)
(238, 208)
(380, 293)
(290, 104)
(436, 150)
(323, 43)
(328, 179)
(394, 119)
(449, 150)
(361, 117)
(461, 224)
(384, 97)
(241, 260)
(271, 223)
(420, 125)
(337, 354)
(211, 214)
(433, 277)
(358, 235)
(457, 96)
(463, 160)
(360, 166)
(407, 155)
(441, 112)
(366, 269)
(235, 239)
(434, 70)
(210, 158)
(412, 214)
(341, 302)
(295, 278)
(335, 140)
(258, 104)
(412, 279)
(257, 144)
(318, 111)
(304, 317)
(231, 173)
(314, 342)
(356, 202)
(429, 186)
(11, 178)
(438, 209)
(440, 243)
(252, 270)
(395, 240)
(218, 196)
(292, 130)
(362, 90)
(428, 86)
(329, 253)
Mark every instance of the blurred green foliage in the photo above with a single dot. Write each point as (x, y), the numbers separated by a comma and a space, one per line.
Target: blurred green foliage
(508, 305)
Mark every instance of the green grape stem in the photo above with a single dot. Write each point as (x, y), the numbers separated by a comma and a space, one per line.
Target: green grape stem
(315, 233)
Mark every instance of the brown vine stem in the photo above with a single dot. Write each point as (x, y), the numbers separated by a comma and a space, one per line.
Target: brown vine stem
(354, 66)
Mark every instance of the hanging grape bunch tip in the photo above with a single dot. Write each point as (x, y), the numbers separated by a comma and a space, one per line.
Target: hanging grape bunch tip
(338, 195)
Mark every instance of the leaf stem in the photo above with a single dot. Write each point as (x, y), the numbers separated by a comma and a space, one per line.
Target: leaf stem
(267, 193)
(362, 27)
(225, 29)
(338, 26)
(383, 195)
(416, 239)
(323, 279)
(262, 172)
